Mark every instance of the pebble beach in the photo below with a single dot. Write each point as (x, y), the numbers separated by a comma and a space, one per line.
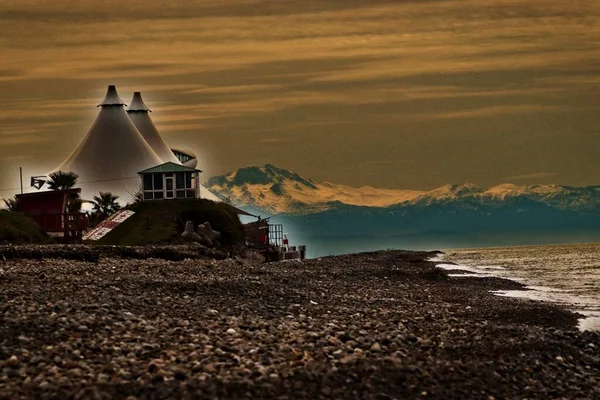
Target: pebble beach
(383, 325)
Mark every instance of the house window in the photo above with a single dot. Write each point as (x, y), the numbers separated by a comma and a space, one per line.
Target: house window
(147, 182)
(180, 180)
(169, 185)
(158, 181)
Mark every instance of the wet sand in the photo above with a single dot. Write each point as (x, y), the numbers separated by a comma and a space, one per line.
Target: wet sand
(377, 325)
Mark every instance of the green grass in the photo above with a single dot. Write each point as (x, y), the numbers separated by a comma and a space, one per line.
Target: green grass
(18, 228)
(163, 221)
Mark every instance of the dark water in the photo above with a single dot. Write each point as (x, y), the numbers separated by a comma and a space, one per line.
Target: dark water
(318, 246)
(566, 274)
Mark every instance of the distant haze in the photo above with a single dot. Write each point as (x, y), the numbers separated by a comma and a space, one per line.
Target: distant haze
(392, 94)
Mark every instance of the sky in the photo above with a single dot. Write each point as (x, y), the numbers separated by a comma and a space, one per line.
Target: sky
(392, 94)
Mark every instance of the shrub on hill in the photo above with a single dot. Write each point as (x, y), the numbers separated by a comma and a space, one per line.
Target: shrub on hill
(18, 228)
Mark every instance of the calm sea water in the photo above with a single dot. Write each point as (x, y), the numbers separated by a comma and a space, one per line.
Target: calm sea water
(566, 274)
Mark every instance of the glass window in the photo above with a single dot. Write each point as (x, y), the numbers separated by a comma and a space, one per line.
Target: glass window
(181, 194)
(180, 180)
(147, 195)
(188, 180)
(158, 195)
(190, 194)
(158, 182)
(147, 181)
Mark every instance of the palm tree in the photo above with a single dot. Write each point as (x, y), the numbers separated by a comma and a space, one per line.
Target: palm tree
(66, 180)
(73, 204)
(12, 204)
(62, 180)
(105, 205)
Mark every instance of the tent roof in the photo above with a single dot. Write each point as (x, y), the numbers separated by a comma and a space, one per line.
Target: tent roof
(112, 98)
(137, 104)
(168, 167)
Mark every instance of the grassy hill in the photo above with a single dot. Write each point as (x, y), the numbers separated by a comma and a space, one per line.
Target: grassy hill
(18, 228)
(162, 222)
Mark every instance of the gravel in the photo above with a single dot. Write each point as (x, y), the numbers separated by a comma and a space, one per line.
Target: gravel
(371, 326)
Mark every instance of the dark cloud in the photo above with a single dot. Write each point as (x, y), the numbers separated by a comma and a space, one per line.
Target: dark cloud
(405, 94)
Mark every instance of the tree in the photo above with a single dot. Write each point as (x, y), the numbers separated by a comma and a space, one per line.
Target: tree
(12, 204)
(66, 180)
(105, 205)
(73, 204)
(62, 180)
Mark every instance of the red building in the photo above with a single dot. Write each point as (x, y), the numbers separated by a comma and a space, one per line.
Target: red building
(49, 210)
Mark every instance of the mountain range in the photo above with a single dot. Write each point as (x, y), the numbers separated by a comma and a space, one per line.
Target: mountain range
(274, 190)
(334, 219)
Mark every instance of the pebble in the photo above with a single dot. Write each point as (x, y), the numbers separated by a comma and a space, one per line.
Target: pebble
(13, 361)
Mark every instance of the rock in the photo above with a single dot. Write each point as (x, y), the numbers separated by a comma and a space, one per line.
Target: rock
(179, 374)
(375, 347)
(13, 361)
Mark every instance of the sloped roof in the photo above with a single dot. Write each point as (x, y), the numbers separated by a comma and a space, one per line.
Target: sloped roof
(168, 167)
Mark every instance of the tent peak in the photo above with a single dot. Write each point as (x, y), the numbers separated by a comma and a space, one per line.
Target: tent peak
(137, 104)
(112, 98)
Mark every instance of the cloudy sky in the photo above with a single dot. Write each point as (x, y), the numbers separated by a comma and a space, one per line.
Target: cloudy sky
(396, 94)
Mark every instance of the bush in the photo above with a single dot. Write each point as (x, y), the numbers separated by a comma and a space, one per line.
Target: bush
(18, 228)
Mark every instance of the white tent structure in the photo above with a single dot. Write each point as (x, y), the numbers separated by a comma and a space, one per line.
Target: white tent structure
(110, 156)
(139, 114)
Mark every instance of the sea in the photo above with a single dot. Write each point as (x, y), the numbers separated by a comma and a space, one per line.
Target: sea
(567, 274)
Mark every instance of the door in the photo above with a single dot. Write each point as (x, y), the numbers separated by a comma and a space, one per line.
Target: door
(169, 193)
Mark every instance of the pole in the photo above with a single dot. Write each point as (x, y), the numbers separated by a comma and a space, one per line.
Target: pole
(21, 177)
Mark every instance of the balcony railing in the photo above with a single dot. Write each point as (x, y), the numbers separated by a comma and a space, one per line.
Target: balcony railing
(61, 222)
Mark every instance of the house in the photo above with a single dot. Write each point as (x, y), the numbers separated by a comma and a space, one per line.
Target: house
(49, 209)
(170, 181)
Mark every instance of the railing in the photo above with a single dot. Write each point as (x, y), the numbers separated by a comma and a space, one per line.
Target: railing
(61, 222)
(276, 234)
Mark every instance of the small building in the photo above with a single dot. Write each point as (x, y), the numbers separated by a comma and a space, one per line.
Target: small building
(49, 209)
(170, 181)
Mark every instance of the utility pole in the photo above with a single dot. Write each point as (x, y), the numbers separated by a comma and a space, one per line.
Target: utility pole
(21, 178)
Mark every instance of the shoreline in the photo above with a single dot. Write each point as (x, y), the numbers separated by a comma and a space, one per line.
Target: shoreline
(383, 325)
(589, 320)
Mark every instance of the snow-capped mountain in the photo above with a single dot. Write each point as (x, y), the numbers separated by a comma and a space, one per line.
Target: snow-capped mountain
(280, 191)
